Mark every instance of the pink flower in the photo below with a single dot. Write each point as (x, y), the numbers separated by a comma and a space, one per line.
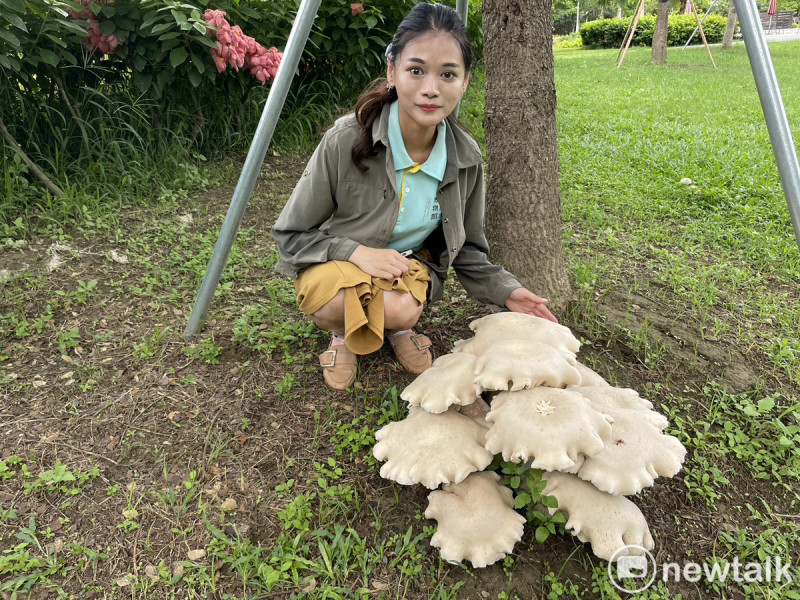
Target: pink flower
(357, 8)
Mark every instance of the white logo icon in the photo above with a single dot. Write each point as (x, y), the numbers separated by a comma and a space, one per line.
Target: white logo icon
(634, 562)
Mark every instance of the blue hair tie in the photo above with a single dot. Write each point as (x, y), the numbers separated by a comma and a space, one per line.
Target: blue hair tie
(388, 51)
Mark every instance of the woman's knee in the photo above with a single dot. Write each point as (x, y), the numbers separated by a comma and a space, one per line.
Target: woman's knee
(401, 310)
(331, 315)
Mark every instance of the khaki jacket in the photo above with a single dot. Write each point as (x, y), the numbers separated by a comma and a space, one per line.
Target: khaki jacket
(335, 207)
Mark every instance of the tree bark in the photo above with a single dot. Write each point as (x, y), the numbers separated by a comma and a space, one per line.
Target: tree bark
(659, 53)
(523, 216)
(730, 27)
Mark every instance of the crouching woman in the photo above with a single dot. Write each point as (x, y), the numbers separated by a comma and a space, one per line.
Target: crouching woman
(391, 199)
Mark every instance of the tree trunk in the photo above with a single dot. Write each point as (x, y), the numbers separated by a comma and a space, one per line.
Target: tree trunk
(659, 55)
(523, 216)
(730, 27)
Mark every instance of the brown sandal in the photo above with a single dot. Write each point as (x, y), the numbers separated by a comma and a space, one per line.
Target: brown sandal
(339, 367)
(412, 351)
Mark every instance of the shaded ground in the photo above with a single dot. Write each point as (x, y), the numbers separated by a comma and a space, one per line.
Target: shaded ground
(168, 444)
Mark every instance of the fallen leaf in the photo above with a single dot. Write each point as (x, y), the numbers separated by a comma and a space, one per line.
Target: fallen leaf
(242, 439)
(131, 513)
(196, 554)
(152, 572)
(229, 504)
(55, 524)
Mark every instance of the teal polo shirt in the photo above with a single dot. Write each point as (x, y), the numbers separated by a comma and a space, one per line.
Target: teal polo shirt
(419, 212)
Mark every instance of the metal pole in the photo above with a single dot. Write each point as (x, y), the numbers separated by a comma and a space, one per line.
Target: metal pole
(772, 104)
(252, 164)
(461, 8)
(696, 29)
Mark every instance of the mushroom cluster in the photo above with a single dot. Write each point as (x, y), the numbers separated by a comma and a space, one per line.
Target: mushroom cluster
(595, 443)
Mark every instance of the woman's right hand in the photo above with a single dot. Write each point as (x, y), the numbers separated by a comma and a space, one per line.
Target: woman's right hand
(382, 263)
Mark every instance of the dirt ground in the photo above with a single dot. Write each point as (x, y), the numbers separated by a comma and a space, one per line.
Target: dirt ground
(123, 396)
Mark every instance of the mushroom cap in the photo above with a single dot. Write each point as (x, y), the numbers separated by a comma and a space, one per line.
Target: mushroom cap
(589, 377)
(637, 453)
(612, 400)
(553, 426)
(430, 448)
(476, 520)
(518, 364)
(607, 522)
(448, 381)
(506, 326)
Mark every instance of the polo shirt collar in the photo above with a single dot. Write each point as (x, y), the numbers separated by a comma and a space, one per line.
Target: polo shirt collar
(437, 161)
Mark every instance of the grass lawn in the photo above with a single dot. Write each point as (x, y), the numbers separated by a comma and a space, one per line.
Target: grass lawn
(136, 465)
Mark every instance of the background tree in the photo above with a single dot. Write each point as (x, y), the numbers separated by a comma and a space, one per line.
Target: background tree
(659, 54)
(730, 26)
(523, 202)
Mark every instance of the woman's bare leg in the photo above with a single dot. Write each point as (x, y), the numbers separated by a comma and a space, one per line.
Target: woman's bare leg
(401, 310)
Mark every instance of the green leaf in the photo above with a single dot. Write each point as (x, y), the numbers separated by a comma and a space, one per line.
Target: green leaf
(10, 38)
(514, 482)
(550, 501)
(4, 62)
(784, 441)
(150, 21)
(108, 10)
(542, 534)
(161, 28)
(48, 57)
(195, 78)
(15, 5)
(766, 405)
(198, 64)
(179, 17)
(108, 27)
(200, 27)
(522, 500)
(16, 22)
(371, 22)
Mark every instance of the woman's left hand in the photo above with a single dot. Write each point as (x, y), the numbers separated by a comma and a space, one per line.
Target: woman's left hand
(524, 301)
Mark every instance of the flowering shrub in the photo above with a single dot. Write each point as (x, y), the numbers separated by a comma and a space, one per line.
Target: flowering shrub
(238, 50)
(106, 44)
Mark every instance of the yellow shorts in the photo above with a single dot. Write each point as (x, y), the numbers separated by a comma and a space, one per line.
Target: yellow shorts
(363, 297)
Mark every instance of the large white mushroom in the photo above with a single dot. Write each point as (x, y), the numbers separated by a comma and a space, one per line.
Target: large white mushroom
(506, 326)
(519, 364)
(553, 426)
(589, 377)
(637, 454)
(607, 522)
(612, 400)
(431, 448)
(476, 520)
(448, 381)
(610, 437)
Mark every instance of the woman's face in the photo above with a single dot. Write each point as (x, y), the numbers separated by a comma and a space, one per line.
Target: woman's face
(429, 77)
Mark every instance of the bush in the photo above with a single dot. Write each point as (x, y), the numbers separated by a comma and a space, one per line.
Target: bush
(572, 40)
(610, 33)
